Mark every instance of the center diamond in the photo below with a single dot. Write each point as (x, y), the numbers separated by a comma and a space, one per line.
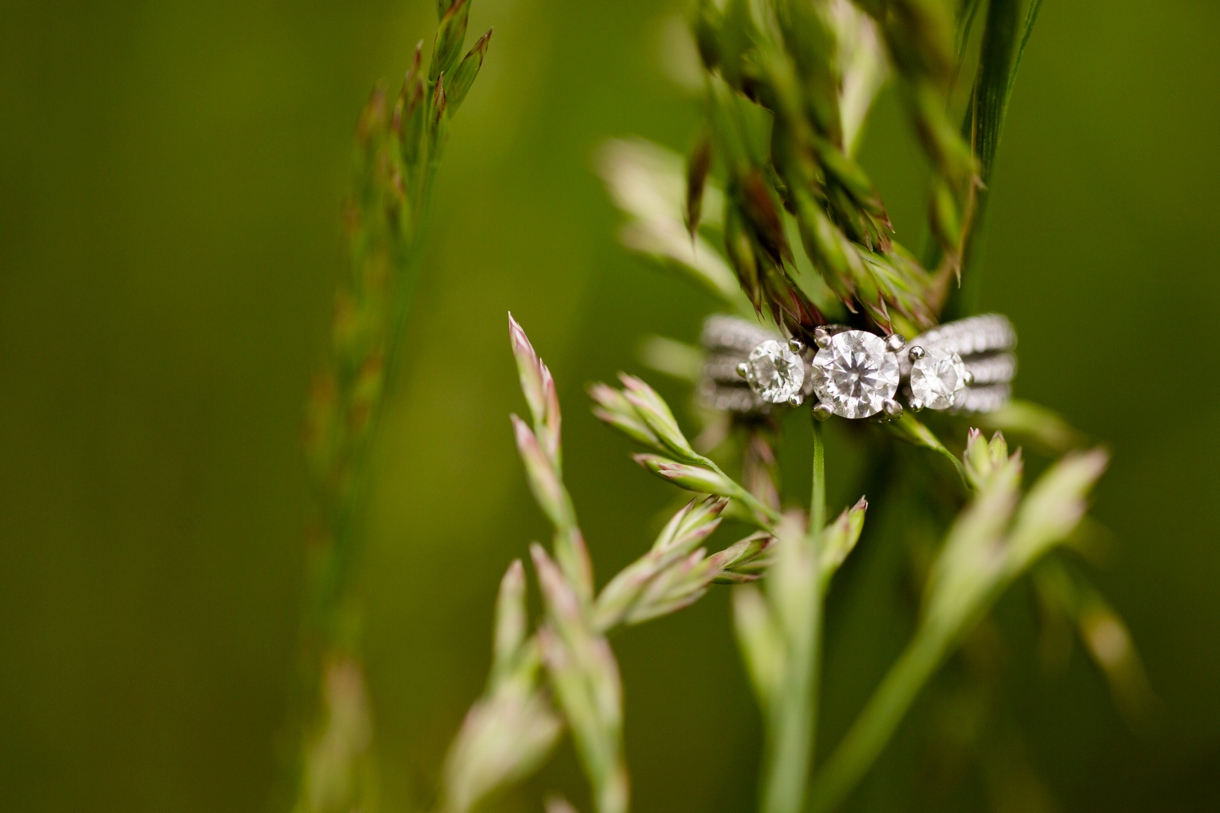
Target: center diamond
(936, 379)
(775, 372)
(854, 375)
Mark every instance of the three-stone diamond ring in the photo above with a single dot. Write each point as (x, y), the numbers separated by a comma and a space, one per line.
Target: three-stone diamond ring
(962, 366)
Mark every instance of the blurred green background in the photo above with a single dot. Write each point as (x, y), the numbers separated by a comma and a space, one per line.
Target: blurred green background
(170, 185)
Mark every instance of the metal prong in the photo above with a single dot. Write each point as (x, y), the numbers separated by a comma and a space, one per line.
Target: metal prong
(796, 345)
(969, 378)
(742, 369)
(796, 400)
(915, 405)
(821, 336)
(892, 410)
(895, 343)
(821, 412)
(916, 353)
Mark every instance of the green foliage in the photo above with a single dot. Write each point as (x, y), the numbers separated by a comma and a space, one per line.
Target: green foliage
(995, 540)
(583, 678)
(789, 62)
(511, 729)
(789, 84)
(399, 143)
(778, 631)
(999, 58)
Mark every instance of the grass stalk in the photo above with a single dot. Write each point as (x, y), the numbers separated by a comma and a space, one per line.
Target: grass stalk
(817, 502)
(995, 540)
(999, 58)
(796, 597)
(399, 142)
(877, 722)
(791, 723)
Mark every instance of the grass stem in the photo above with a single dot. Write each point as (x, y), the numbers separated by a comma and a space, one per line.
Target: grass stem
(875, 725)
(792, 714)
(817, 503)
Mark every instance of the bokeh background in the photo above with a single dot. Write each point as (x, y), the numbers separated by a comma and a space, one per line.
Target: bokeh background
(170, 183)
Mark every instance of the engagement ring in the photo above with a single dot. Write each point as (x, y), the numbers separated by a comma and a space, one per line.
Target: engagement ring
(962, 366)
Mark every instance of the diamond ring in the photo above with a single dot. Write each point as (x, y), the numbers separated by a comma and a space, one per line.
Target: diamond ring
(962, 366)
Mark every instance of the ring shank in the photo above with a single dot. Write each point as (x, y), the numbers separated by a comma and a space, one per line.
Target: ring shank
(975, 336)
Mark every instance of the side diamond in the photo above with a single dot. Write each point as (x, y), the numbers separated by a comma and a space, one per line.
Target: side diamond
(936, 379)
(774, 372)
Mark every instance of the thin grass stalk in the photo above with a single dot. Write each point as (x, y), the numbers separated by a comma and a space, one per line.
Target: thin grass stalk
(790, 716)
(817, 524)
(876, 723)
(817, 502)
(796, 594)
(999, 58)
(399, 144)
(567, 666)
(992, 543)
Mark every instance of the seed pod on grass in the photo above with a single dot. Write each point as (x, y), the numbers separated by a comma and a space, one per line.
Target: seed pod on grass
(692, 478)
(809, 38)
(512, 728)
(653, 410)
(740, 251)
(413, 121)
(706, 25)
(984, 459)
(539, 389)
(615, 410)
(450, 35)
(401, 105)
(1054, 506)
(761, 212)
(438, 122)
(697, 167)
(940, 137)
(587, 685)
(463, 76)
(945, 222)
(839, 539)
(685, 531)
(743, 561)
(511, 621)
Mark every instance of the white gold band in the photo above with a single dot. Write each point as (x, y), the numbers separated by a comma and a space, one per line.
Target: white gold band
(965, 366)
